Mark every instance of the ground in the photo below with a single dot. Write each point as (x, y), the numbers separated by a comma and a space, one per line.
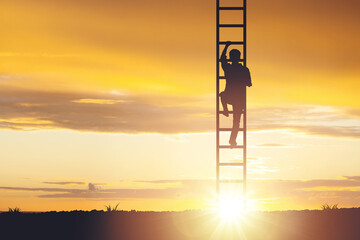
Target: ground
(195, 225)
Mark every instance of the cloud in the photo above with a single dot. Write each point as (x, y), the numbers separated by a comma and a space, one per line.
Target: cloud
(98, 101)
(346, 188)
(161, 15)
(272, 145)
(183, 59)
(328, 131)
(93, 192)
(92, 187)
(22, 109)
(268, 194)
(354, 112)
(65, 183)
(310, 119)
(41, 189)
(354, 178)
(188, 188)
(100, 112)
(32, 110)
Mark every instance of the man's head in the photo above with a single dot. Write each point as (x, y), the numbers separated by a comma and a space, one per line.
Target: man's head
(235, 55)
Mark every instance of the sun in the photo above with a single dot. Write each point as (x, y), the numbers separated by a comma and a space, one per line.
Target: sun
(230, 209)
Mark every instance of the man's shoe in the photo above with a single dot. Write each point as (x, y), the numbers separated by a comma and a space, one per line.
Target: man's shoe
(226, 113)
(232, 143)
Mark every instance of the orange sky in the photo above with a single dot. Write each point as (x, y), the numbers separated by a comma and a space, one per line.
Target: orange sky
(102, 91)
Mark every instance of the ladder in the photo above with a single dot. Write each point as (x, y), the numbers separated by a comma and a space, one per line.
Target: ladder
(219, 164)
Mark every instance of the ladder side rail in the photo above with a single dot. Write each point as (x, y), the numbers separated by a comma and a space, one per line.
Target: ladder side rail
(245, 110)
(217, 101)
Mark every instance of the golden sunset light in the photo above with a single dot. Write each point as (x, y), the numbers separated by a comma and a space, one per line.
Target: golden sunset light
(115, 102)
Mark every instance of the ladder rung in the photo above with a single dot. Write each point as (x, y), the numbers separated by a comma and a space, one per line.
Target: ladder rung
(232, 43)
(228, 60)
(231, 8)
(231, 164)
(230, 112)
(228, 146)
(231, 181)
(229, 129)
(231, 25)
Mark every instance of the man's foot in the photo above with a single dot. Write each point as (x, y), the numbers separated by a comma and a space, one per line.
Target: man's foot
(232, 143)
(226, 113)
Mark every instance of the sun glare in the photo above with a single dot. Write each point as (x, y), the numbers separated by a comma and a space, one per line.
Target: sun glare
(230, 208)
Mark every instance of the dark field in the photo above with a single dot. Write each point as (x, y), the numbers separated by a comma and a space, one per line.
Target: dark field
(195, 225)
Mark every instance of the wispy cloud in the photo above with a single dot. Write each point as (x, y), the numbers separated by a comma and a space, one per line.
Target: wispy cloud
(130, 113)
(92, 187)
(309, 119)
(353, 178)
(98, 101)
(272, 145)
(66, 183)
(101, 112)
(31, 55)
(345, 189)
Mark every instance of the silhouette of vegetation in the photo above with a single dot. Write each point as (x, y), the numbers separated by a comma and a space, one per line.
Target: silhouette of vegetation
(329, 207)
(14, 210)
(111, 209)
(187, 225)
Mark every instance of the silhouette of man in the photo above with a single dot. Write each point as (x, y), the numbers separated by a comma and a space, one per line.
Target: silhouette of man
(237, 78)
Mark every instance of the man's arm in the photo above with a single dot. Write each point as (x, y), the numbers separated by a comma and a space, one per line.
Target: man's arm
(223, 55)
(249, 83)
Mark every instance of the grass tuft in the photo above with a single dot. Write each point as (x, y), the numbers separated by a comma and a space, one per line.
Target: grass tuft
(111, 209)
(14, 210)
(326, 207)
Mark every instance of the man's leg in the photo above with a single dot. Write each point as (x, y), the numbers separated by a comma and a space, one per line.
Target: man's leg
(224, 104)
(236, 124)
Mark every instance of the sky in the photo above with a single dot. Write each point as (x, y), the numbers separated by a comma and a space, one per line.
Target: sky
(105, 102)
